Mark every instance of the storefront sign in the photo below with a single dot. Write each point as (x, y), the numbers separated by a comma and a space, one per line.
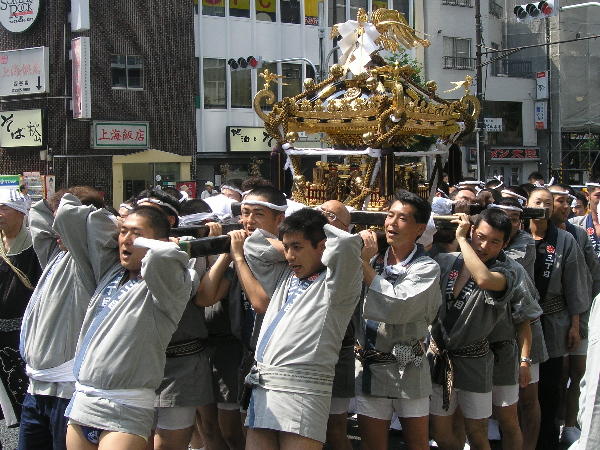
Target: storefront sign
(81, 82)
(80, 15)
(514, 153)
(493, 124)
(248, 139)
(120, 135)
(18, 15)
(24, 71)
(21, 128)
(541, 81)
(8, 181)
(541, 116)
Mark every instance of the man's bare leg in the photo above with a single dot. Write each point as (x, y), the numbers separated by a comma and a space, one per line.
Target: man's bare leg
(230, 424)
(443, 432)
(508, 418)
(291, 441)
(530, 415)
(337, 432)
(261, 439)
(415, 431)
(477, 433)
(112, 440)
(197, 441)
(172, 439)
(208, 418)
(76, 440)
(373, 433)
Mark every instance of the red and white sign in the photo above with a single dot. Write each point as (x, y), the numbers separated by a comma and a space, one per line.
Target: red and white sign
(541, 86)
(132, 135)
(514, 153)
(541, 115)
(81, 80)
(24, 71)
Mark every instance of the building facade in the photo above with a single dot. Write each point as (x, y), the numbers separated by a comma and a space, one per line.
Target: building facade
(134, 91)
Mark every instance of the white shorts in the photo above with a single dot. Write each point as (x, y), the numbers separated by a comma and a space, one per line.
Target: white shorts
(228, 406)
(176, 418)
(474, 405)
(339, 405)
(504, 396)
(535, 373)
(384, 408)
(581, 349)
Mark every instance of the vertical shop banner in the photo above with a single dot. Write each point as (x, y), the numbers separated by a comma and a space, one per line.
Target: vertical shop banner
(81, 81)
(541, 116)
(80, 15)
(541, 84)
(21, 128)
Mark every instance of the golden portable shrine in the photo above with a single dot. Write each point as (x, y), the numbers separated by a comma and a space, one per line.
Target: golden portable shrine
(369, 112)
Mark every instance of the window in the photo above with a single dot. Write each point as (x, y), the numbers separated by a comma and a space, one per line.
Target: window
(213, 8)
(457, 53)
(379, 4)
(355, 5)
(127, 72)
(241, 88)
(457, 2)
(292, 79)
(403, 6)
(496, 65)
(496, 9)
(290, 11)
(265, 10)
(239, 8)
(336, 11)
(214, 83)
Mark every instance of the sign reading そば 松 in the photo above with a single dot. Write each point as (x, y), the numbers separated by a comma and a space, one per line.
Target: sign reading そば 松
(18, 15)
(120, 135)
(21, 128)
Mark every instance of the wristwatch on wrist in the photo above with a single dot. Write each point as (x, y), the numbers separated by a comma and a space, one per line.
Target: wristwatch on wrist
(528, 361)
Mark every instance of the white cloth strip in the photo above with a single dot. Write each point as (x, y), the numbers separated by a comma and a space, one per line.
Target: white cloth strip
(513, 194)
(153, 244)
(232, 188)
(197, 218)
(560, 192)
(58, 374)
(593, 184)
(157, 202)
(267, 204)
(127, 206)
(574, 203)
(505, 207)
(137, 398)
(369, 151)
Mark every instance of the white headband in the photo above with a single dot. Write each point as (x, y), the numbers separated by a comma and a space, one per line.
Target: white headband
(157, 202)
(442, 192)
(574, 203)
(513, 194)
(15, 200)
(231, 188)
(281, 208)
(469, 183)
(127, 206)
(560, 193)
(593, 184)
(506, 207)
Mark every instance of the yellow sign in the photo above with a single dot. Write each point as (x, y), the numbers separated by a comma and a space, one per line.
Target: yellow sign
(311, 8)
(239, 4)
(249, 139)
(22, 128)
(265, 6)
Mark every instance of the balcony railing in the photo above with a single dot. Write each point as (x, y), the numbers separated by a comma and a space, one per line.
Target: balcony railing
(458, 63)
(496, 10)
(517, 68)
(467, 3)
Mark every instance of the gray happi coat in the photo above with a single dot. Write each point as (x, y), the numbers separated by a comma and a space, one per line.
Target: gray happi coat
(302, 349)
(399, 312)
(55, 313)
(570, 280)
(479, 316)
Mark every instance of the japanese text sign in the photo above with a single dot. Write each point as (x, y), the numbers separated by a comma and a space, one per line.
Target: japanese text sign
(120, 135)
(21, 128)
(541, 82)
(541, 116)
(493, 124)
(24, 71)
(248, 139)
(18, 15)
(514, 153)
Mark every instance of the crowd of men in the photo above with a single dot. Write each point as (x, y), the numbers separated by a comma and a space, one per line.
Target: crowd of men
(112, 337)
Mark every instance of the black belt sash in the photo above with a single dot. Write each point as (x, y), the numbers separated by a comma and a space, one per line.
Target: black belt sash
(185, 348)
(544, 261)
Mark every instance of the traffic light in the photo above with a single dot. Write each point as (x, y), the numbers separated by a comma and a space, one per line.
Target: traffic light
(536, 10)
(245, 63)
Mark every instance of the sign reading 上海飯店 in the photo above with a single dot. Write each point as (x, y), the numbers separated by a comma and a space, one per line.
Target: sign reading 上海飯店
(120, 135)
(24, 71)
(248, 139)
(18, 15)
(21, 128)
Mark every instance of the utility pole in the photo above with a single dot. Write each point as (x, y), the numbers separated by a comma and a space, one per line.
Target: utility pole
(480, 121)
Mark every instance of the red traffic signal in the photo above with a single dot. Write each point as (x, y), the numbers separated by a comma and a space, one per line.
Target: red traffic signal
(245, 63)
(252, 61)
(546, 8)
